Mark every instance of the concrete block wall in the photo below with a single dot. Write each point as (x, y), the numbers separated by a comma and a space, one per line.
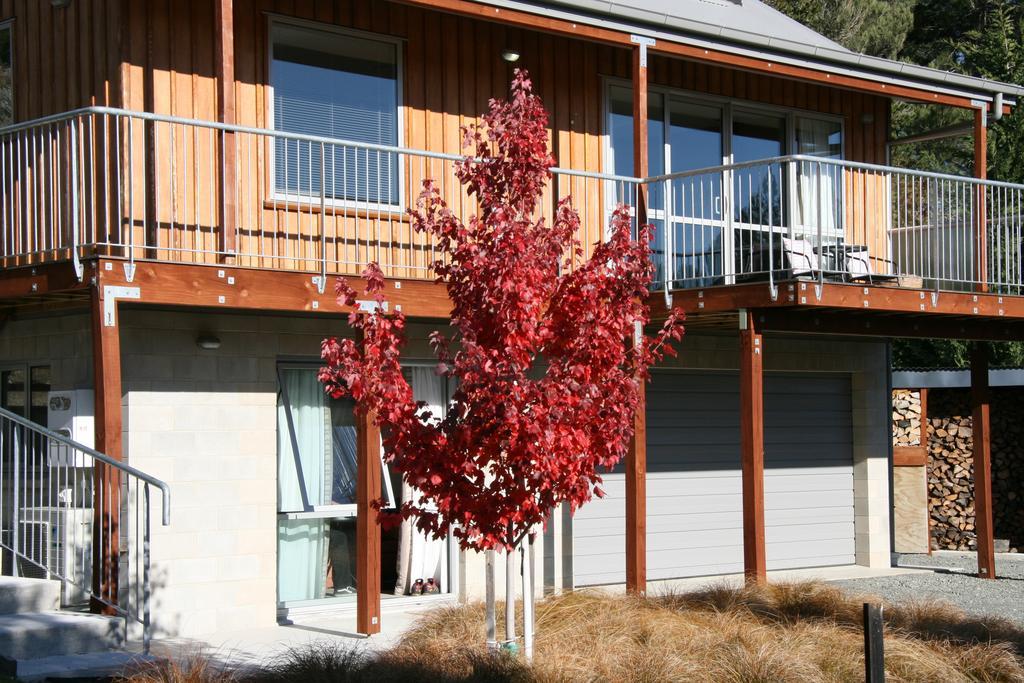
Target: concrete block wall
(64, 342)
(205, 421)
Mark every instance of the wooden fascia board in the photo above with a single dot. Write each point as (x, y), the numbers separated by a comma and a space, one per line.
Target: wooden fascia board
(802, 295)
(228, 287)
(888, 326)
(691, 52)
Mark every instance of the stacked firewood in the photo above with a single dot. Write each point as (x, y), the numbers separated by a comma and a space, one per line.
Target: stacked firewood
(951, 462)
(906, 418)
(951, 482)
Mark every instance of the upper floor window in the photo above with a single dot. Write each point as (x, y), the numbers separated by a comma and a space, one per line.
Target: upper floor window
(330, 84)
(6, 77)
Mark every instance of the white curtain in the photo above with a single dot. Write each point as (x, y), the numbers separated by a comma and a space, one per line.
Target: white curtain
(818, 184)
(419, 556)
(302, 543)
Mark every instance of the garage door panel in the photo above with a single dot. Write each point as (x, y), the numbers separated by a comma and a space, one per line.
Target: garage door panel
(783, 555)
(694, 501)
(797, 483)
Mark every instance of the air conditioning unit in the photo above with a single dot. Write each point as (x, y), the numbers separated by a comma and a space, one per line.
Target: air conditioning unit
(70, 414)
(59, 542)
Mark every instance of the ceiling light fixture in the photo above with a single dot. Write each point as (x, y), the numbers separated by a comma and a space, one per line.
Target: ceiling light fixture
(510, 55)
(208, 342)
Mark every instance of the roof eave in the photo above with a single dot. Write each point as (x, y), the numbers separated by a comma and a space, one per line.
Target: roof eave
(675, 29)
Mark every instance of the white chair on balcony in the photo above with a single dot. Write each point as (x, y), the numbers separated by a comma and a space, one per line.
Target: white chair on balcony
(859, 269)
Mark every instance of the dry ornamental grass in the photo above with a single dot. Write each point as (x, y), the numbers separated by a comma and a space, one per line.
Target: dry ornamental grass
(777, 633)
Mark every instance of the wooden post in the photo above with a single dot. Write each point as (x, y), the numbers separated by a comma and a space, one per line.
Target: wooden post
(368, 487)
(225, 64)
(752, 446)
(874, 644)
(980, 424)
(981, 171)
(636, 460)
(106, 347)
(924, 444)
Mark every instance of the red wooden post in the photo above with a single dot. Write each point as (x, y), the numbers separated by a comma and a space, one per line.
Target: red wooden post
(636, 460)
(106, 343)
(752, 446)
(225, 64)
(368, 487)
(980, 214)
(980, 404)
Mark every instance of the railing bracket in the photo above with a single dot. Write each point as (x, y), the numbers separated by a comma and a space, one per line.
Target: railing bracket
(818, 289)
(129, 272)
(935, 299)
(773, 291)
(320, 282)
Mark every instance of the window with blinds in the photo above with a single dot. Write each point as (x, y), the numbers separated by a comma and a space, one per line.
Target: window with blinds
(342, 87)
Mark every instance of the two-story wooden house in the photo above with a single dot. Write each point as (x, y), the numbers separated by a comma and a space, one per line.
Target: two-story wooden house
(180, 182)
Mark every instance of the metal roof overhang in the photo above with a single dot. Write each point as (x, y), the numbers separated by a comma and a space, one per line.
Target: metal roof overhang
(698, 34)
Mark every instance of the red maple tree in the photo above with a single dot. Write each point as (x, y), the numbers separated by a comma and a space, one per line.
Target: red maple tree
(548, 373)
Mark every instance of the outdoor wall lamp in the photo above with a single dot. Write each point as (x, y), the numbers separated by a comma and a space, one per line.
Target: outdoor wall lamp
(510, 55)
(208, 342)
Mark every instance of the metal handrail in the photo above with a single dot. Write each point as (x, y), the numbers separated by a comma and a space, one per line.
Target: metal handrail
(50, 480)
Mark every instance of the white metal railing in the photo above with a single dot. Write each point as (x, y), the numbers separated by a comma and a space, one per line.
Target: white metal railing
(144, 186)
(61, 503)
(834, 220)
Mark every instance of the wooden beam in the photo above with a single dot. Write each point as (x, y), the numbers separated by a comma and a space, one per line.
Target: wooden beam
(800, 294)
(909, 456)
(636, 461)
(752, 447)
(925, 443)
(368, 488)
(562, 27)
(225, 44)
(106, 347)
(981, 432)
(980, 171)
(923, 326)
(264, 290)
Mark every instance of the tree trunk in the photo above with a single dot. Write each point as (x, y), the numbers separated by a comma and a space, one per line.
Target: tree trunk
(528, 598)
(510, 596)
(492, 640)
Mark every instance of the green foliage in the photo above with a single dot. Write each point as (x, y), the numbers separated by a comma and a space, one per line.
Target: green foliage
(951, 353)
(874, 27)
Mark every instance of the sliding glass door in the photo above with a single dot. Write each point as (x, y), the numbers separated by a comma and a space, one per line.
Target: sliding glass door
(718, 218)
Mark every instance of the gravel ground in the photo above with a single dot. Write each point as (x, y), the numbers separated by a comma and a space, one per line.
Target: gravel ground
(1003, 597)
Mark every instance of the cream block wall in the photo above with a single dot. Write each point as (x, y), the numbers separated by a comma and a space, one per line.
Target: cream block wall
(205, 421)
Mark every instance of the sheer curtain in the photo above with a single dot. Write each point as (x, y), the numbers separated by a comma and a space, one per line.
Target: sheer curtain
(818, 184)
(421, 557)
(302, 434)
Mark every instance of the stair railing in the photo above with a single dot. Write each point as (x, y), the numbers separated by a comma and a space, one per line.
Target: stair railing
(72, 514)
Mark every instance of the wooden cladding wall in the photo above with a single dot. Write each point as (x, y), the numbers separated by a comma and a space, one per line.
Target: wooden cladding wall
(64, 58)
(166, 62)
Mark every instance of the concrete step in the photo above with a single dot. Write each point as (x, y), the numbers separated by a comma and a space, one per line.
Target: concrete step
(28, 595)
(83, 666)
(33, 635)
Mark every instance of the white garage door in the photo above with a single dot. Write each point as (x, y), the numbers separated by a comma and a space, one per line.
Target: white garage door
(694, 499)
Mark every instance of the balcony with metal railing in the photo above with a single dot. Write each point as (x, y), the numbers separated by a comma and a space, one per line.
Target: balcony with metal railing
(101, 182)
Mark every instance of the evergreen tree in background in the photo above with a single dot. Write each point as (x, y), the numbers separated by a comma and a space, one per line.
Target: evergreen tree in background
(976, 37)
